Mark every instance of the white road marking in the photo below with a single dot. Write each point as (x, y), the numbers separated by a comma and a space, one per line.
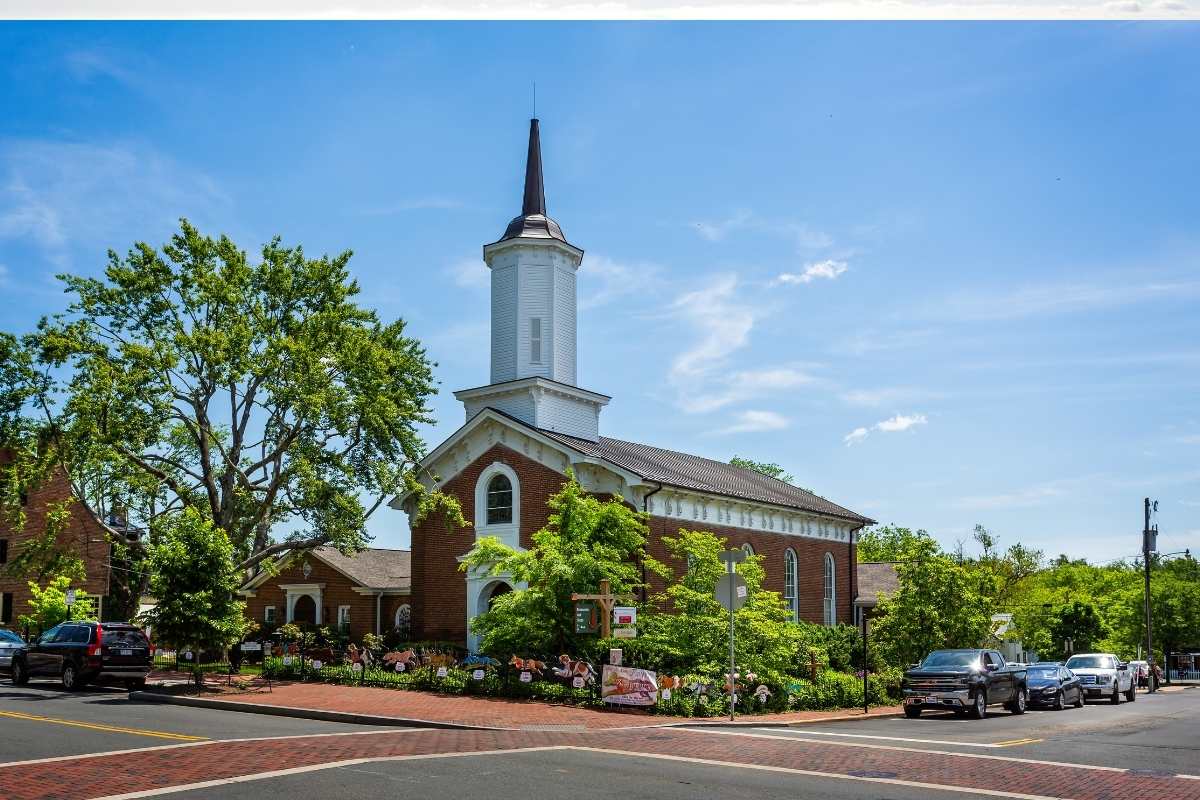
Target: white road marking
(891, 738)
(1013, 759)
(6, 764)
(188, 787)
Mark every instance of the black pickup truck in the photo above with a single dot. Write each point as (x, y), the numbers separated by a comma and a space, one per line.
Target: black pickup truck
(965, 681)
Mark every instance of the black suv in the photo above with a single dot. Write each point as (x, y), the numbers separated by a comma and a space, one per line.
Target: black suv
(82, 652)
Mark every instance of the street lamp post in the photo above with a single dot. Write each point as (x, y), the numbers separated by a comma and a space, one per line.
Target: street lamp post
(1149, 544)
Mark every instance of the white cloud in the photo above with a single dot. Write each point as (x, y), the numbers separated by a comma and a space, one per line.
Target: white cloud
(803, 236)
(748, 384)
(754, 422)
(855, 436)
(602, 280)
(894, 424)
(469, 273)
(1024, 498)
(900, 422)
(828, 269)
(722, 326)
(58, 194)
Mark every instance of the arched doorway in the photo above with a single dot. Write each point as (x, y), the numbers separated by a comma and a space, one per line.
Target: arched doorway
(497, 590)
(304, 611)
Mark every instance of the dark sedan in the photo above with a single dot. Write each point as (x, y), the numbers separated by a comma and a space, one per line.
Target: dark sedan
(1055, 686)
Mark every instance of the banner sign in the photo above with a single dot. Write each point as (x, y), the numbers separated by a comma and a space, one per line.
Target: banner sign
(628, 686)
(585, 618)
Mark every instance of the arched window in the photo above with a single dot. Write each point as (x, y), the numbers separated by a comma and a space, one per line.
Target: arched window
(499, 501)
(830, 591)
(791, 593)
(748, 549)
(403, 620)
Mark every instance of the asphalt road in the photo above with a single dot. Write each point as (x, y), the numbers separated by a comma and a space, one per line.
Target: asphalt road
(40, 720)
(1159, 732)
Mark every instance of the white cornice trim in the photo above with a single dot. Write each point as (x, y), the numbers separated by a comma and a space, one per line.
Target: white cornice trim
(534, 381)
(493, 248)
(719, 511)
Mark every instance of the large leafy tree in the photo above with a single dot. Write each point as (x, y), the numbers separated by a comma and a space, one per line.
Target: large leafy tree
(939, 604)
(254, 391)
(586, 540)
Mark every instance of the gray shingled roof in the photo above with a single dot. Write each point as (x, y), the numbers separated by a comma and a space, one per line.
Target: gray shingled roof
(876, 578)
(374, 568)
(703, 474)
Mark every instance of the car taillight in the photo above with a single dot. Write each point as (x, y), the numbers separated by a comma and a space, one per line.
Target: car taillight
(94, 647)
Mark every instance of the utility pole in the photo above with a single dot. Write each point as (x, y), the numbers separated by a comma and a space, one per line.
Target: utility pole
(1149, 543)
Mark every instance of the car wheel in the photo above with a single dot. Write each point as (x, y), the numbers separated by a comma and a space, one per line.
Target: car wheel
(1022, 701)
(1079, 698)
(1060, 701)
(20, 676)
(70, 678)
(979, 708)
(912, 712)
(1131, 695)
(1116, 695)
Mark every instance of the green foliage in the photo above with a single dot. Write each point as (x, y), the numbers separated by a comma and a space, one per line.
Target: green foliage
(585, 540)
(48, 604)
(938, 604)
(194, 579)
(249, 389)
(688, 630)
(887, 543)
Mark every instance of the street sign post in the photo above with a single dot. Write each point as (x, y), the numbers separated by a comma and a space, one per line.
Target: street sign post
(70, 597)
(731, 592)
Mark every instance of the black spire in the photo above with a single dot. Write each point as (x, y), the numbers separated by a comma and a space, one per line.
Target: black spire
(533, 222)
(535, 192)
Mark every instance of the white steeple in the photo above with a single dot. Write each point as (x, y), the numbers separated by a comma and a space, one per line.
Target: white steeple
(534, 320)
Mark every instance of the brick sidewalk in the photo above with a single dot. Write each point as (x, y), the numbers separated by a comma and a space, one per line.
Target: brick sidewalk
(92, 776)
(489, 712)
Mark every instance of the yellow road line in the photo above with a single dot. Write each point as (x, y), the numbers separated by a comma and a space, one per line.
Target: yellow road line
(1015, 742)
(183, 737)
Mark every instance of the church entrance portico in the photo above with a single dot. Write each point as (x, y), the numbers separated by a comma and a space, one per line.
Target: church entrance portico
(482, 591)
(304, 602)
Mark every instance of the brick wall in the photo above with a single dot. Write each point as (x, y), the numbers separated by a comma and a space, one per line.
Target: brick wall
(338, 591)
(439, 588)
(82, 537)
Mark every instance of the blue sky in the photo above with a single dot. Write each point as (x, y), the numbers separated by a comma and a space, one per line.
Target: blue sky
(945, 274)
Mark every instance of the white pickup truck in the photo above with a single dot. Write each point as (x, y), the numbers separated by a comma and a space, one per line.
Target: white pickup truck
(1103, 675)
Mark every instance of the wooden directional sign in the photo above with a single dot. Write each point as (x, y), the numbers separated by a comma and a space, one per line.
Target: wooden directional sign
(586, 620)
(606, 600)
(731, 598)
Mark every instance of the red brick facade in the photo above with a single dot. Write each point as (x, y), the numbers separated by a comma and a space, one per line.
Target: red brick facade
(439, 587)
(82, 537)
(338, 590)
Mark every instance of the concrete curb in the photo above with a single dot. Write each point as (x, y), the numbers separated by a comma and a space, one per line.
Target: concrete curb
(305, 713)
(374, 719)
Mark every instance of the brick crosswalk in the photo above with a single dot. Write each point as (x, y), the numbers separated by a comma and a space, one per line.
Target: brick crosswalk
(161, 768)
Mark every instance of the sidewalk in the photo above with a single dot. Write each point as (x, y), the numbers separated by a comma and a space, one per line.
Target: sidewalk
(403, 707)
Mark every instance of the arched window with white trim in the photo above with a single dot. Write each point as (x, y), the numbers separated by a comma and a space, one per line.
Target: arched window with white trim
(830, 590)
(499, 501)
(791, 584)
(748, 549)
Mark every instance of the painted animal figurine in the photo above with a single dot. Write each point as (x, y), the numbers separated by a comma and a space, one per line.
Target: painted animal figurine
(480, 660)
(322, 654)
(762, 693)
(670, 682)
(570, 669)
(405, 657)
(527, 664)
(699, 689)
(439, 660)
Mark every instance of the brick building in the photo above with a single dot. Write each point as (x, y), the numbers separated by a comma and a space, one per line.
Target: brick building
(532, 423)
(82, 537)
(367, 592)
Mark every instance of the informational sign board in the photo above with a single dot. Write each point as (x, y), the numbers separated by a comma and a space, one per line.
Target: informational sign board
(586, 618)
(615, 656)
(722, 592)
(251, 647)
(319, 664)
(577, 683)
(477, 674)
(357, 666)
(526, 677)
(624, 615)
(625, 633)
(628, 686)
(442, 672)
(70, 597)
(400, 667)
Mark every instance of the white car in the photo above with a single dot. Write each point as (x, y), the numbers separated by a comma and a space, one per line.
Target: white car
(1103, 675)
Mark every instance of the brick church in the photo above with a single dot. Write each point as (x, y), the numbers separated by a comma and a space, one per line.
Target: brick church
(532, 422)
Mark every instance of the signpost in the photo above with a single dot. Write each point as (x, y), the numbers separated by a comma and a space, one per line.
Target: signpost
(70, 597)
(607, 600)
(585, 618)
(731, 593)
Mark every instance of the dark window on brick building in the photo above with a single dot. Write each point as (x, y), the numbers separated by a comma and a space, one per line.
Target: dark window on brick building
(3, 551)
(499, 501)
(6, 611)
